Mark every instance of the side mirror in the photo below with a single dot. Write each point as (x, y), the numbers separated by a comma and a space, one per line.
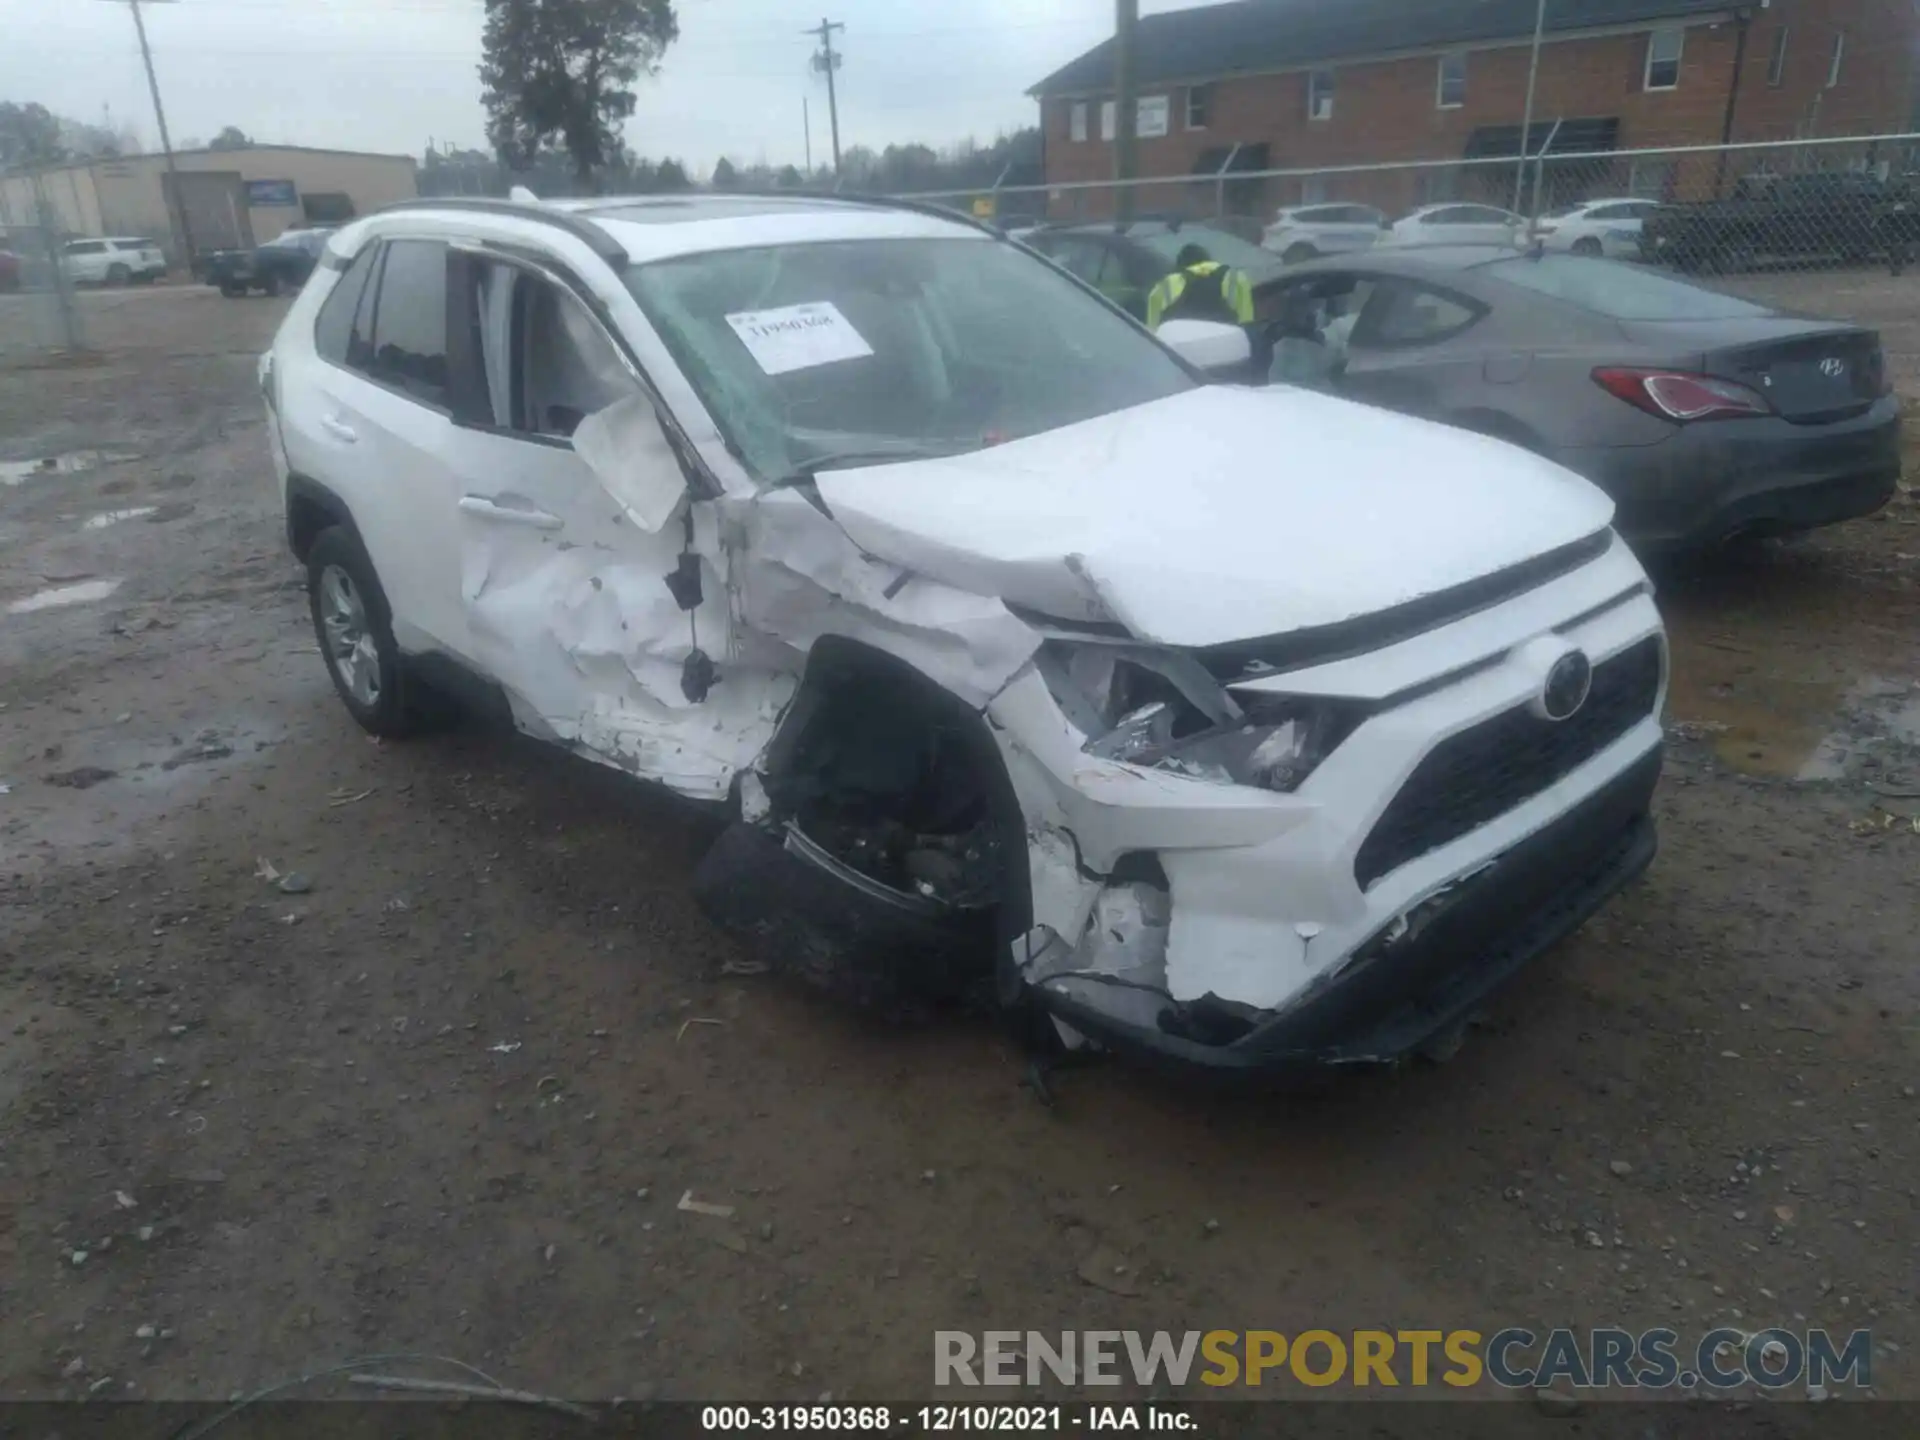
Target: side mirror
(1207, 345)
(627, 449)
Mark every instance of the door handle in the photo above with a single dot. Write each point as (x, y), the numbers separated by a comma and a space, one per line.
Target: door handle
(339, 429)
(485, 509)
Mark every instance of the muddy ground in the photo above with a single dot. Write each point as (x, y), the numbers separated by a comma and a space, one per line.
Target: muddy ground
(447, 1099)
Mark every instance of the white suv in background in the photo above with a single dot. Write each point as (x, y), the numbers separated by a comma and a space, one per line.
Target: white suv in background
(116, 260)
(1015, 657)
(1308, 231)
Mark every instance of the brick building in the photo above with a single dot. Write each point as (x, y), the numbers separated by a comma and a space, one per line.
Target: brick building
(1306, 84)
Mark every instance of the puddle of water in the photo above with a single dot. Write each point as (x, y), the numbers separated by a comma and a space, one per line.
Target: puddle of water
(74, 462)
(1760, 725)
(1878, 713)
(114, 517)
(84, 593)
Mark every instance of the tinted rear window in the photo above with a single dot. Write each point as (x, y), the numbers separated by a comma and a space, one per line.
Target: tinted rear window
(410, 326)
(1620, 292)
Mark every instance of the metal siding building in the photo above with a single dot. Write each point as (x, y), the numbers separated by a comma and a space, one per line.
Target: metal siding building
(233, 197)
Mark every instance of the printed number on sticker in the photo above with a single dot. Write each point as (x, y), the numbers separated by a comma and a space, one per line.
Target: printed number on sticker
(798, 337)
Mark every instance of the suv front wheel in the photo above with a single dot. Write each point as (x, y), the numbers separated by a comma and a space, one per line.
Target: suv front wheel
(353, 627)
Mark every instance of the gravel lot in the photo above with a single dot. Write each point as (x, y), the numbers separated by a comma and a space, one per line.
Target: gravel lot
(447, 1100)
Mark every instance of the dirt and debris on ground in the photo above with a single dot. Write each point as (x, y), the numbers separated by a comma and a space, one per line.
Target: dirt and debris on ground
(444, 1095)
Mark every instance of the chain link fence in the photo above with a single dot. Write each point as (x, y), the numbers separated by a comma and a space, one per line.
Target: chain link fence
(1803, 205)
(39, 315)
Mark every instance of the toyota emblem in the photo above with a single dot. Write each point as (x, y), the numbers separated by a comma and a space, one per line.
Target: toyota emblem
(1568, 684)
(1833, 368)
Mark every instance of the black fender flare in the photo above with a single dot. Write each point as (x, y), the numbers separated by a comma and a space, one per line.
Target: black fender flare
(311, 508)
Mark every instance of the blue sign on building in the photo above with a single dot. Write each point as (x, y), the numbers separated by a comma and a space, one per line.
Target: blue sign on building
(272, 192)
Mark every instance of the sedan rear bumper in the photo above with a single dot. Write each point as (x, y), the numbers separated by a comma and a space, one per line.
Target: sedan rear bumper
(1710, 482)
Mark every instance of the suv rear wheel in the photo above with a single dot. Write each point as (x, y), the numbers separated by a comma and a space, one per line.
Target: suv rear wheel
(118, 274)
(354, 629)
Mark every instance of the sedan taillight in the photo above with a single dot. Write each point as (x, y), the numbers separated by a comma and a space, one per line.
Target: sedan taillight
(1680, 397)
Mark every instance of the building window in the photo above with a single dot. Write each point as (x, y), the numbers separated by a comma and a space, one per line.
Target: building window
(1320, 94)
(1453, 80)
(1152, 117)
(1109, 118)
(1314, 190)
(1199, 106)
(1663, 58)
(1839, 55)
(1777, 59)
(1077, 122)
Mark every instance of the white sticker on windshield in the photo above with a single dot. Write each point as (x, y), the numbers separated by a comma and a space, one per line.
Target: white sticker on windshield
(798, 337)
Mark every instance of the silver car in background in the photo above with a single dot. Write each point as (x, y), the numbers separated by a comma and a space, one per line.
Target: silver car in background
(1704, 416)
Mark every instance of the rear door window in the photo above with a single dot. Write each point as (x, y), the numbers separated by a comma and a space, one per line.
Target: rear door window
(333, 332)
(410, 323)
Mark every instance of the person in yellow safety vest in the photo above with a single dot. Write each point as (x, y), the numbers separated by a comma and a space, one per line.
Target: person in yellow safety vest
(1201, 288)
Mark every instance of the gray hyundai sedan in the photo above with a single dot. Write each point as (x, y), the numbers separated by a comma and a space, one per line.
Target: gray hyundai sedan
(1704, 416)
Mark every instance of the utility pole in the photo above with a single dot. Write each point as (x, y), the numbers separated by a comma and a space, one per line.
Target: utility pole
(1526, 125)
(826, 62)
(1743, 21)
(1126, 18)
(806, 128)
(166, 140)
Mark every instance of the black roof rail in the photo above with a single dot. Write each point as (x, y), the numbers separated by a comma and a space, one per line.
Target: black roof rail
(572, 221)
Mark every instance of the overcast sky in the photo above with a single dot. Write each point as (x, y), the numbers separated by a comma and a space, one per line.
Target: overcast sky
(387, 75)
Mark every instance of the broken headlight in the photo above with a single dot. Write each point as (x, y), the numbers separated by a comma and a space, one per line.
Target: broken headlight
(1163, 711)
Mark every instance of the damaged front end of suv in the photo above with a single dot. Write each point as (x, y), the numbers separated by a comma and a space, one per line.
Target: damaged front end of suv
(1243, 858)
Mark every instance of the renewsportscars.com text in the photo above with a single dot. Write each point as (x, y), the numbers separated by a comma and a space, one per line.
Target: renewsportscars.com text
(1512, 1358)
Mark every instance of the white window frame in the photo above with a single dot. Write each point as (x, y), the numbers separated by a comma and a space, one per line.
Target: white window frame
(1440, 101)
(1109, 119)
(1839, 59)
(1206, 106)
(1777, 57)
(1077, 123)
(1319, 100)
(1653, 46)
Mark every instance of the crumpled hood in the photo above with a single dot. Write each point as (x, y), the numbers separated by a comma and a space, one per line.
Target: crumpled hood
(1220, 514)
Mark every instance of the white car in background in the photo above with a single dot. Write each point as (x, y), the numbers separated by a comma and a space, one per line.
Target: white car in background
(1458, 225)
(114, 260)
(1306, 232)
(1609, 228)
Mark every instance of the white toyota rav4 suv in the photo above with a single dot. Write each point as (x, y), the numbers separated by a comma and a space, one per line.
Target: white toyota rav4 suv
(1247, 729)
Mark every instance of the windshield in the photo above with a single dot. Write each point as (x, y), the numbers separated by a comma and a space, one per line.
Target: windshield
(1620, 292)
(859, 351)
(1227, 249)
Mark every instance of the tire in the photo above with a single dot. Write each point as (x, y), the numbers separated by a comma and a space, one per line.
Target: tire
(1299, 253)
(353, 627)
(232, 291)
(118, 275)
(1588, 246)
(272, 287)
